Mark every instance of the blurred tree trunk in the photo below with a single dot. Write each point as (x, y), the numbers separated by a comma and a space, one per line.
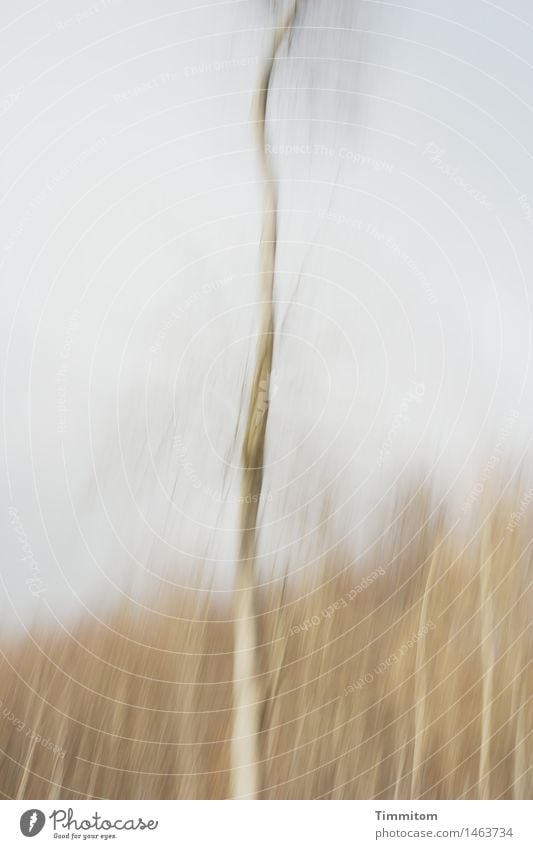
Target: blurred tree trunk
(247, 689)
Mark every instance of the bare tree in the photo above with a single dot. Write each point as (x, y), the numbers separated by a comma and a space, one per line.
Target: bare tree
(247, 690)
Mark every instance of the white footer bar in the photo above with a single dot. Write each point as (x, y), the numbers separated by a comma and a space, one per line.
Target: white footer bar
(267, 825)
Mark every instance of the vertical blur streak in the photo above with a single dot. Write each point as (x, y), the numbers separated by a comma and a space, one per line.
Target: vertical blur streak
(247, 698)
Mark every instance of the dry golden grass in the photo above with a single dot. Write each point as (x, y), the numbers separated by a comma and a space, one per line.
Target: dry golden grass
(141, 706)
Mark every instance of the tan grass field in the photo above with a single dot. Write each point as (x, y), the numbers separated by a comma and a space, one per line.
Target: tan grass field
(415, 686)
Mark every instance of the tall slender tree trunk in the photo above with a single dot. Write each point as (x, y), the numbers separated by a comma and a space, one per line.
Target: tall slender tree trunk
(247, 690)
